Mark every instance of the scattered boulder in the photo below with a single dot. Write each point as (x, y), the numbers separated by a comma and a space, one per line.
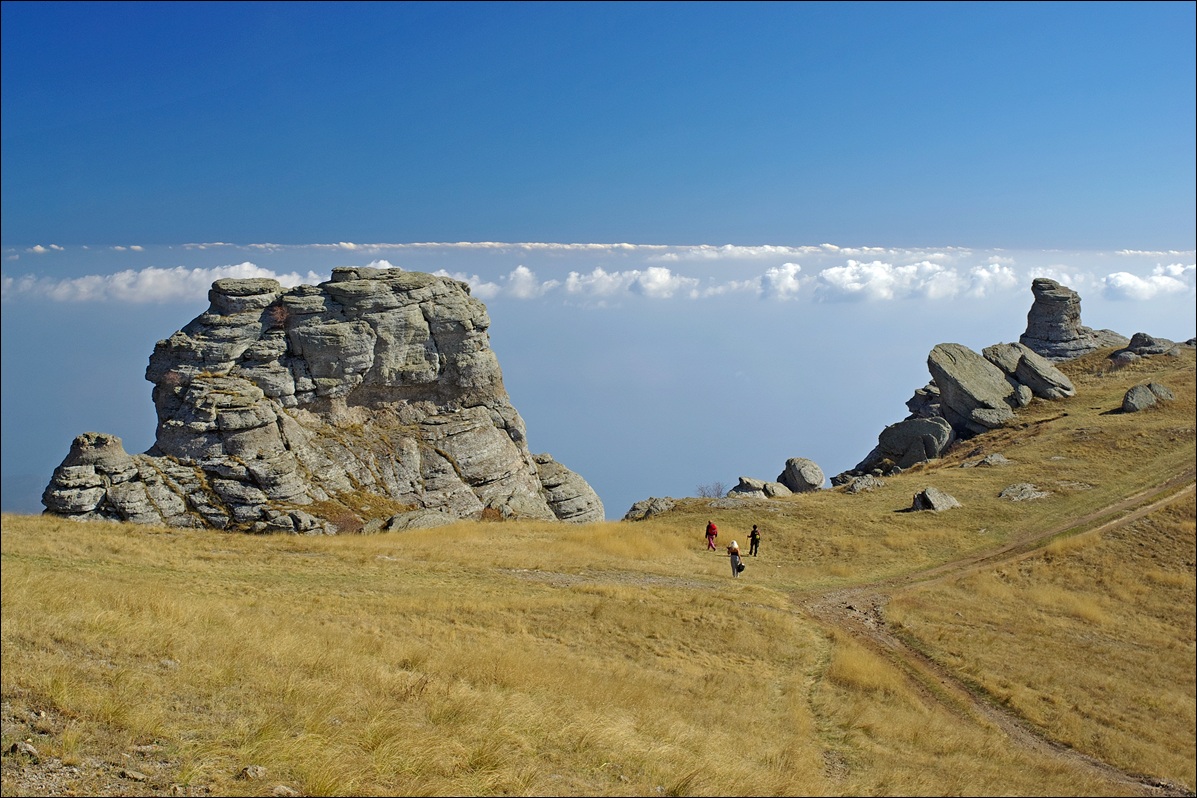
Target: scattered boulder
(801, 475)
(1141, 397)
(749, 487)
(933, 499)
(988, 460)
(909, 442)
(277, 407)
(774, 490)
(1145, 345)
(1021, 492)
(863, 484)
(1054, 328)
(646, 508)
(1123, 358)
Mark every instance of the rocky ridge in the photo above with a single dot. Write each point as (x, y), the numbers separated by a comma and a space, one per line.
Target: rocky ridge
(969, 393)
(315, 408)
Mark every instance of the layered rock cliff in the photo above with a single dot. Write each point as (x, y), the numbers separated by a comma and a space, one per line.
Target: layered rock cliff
(320, 409)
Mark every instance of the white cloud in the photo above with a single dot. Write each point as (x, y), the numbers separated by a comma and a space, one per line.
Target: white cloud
(782, 282)
(828, 272)
(655, 282)
(658, 282)
(599, 282)
(38, 249)
(879, 280)
(749, 286)
(730, 251)
(522, 284)
(1064, 275)
(145, 286)
(1181, 271)
(1167, 253)
(502, 246)
(992, 279)
(480, 288)
(1122, 285)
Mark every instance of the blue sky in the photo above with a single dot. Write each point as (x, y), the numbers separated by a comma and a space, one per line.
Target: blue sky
(711, 236)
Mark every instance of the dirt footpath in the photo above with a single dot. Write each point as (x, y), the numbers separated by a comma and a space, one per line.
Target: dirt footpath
(859, 611)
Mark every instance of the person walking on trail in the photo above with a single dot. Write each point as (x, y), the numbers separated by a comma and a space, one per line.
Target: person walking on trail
(733, 553)
(712, 533)
(754, 540)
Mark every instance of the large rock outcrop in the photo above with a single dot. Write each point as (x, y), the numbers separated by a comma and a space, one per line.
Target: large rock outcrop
(318, 408)
(1054, 327)
(972, 393)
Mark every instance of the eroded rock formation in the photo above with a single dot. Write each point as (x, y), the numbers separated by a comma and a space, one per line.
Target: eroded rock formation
(1054, 327)
(317, 409)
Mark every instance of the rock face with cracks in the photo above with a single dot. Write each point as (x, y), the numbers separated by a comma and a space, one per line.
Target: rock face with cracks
(319, 409)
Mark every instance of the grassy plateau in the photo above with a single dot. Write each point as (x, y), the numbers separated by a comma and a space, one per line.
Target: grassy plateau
(621, 658)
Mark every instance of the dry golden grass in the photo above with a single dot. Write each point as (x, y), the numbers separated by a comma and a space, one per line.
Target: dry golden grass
(621, 658)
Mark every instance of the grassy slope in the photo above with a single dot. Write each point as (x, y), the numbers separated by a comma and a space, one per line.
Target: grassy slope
(621, 658)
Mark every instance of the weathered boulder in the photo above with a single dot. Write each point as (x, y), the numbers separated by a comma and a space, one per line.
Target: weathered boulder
(1123, 358)
(906, 443)
(1141, 397)
(1054, 327)
(759, 488)
(933, 499)
(975, 395)
(988, 461)
(801, 475)
(288, 409)
(1022, 492)
(646, 508)
(1144, 345)
(863, 484)
(1024, 366)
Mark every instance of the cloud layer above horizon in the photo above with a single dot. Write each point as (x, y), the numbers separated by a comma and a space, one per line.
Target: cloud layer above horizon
(606, 274)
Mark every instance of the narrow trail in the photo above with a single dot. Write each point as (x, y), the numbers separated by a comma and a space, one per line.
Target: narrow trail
(859, 612)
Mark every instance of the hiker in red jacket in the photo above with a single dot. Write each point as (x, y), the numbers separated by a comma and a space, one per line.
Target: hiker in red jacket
(712, 533)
